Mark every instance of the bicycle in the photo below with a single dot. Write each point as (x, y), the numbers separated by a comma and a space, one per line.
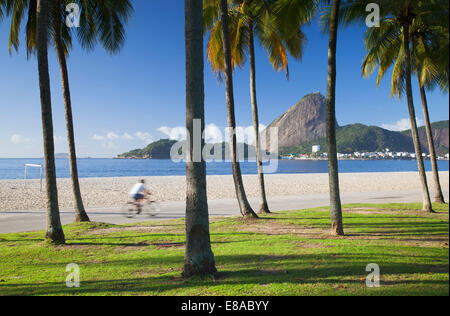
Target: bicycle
(132, 208)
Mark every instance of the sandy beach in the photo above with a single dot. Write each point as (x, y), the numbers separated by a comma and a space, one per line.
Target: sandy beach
(25, 195)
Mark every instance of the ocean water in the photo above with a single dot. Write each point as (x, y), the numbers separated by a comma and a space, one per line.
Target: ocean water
(99, 168)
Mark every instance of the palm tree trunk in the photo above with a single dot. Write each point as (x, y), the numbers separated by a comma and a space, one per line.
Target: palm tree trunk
(246, 209)
(439, 197)
(264, 207)
(199, 258)
(412, 115)
(80, 212)
(55, 232)
(333, 171)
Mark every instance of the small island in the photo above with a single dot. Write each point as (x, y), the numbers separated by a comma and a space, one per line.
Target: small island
(156, 150)
(161, 150)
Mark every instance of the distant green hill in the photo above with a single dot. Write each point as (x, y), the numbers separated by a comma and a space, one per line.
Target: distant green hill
(161, 150)
(440, 136)
(156, 150)
(358, 137)
(350, 138)
(435, 125)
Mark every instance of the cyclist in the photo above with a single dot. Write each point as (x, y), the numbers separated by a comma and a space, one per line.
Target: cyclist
(138, 193)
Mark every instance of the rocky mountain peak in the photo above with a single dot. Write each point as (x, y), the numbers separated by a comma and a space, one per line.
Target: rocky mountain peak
(303, 122)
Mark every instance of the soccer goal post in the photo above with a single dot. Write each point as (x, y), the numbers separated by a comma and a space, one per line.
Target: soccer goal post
(30, 165)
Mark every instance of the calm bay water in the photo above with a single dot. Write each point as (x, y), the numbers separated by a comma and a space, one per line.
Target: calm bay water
(99, 168)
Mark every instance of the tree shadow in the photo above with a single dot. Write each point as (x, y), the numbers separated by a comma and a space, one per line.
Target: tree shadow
(252, 270)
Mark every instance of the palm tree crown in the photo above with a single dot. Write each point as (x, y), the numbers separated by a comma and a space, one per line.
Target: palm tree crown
(100, 21)
(264, 19)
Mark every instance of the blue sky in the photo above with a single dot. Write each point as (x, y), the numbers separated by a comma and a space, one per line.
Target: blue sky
(123, 102)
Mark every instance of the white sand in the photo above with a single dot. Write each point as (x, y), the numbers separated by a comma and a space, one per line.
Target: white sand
(25, 195)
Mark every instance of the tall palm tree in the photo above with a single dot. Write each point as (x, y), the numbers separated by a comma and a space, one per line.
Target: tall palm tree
(199, 258)
(429, 43)
(333, 171)
(245, 207)
(80, 212)
(55, 232)
(94, 18)
(438, 195)
(263, 19)
(402, 14)
(112, 36)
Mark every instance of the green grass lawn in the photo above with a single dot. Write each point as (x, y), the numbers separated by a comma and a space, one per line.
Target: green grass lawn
(286, 253)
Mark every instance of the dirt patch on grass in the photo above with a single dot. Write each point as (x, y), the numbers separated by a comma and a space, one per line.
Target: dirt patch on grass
(138, 229)
(169, 245)
(274, 228)
(76, 247)
(383, 211)
(396, 212)
(142, 245)
(365, 211)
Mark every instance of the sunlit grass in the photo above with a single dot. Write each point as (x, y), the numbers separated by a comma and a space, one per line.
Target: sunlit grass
(286, 253)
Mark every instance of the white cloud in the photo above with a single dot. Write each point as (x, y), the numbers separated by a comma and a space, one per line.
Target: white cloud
(401, 125)
(19, 139)
(175, 133)
(98, 137)
(146, 137)
(213, 133)
(112, 136)
(127, 136)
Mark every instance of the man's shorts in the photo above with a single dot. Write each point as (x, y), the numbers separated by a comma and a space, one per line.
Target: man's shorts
(138, 196)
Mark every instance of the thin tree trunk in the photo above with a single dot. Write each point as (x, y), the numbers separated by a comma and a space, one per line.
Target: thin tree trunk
(80, 212)
(199, 258)
(54, 232)
(438, 197)
(412, 115)
(246, 209)
(333, 171)
(264, 207)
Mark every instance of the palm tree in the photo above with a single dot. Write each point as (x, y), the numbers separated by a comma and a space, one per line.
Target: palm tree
(199, 258)
(262, 19)
(246, 209)
(333, 171)
(112, 37)
(401, 14)
(55, 232)
(429, 42)
(438, 197)
(80, 212)
(94, 15)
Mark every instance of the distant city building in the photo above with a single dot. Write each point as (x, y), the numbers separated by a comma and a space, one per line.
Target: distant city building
(315, 149)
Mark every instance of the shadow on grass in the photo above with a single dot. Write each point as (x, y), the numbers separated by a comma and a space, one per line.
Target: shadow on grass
(252, 270)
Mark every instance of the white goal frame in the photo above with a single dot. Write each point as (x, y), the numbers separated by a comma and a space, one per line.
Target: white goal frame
(30, 165)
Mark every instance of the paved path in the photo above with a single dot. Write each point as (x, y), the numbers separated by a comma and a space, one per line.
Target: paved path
(23, 221)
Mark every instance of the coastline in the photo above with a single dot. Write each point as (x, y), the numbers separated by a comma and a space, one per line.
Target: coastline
(25, 195)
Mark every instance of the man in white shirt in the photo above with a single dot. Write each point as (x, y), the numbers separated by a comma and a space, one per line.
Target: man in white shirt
(138, 191)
